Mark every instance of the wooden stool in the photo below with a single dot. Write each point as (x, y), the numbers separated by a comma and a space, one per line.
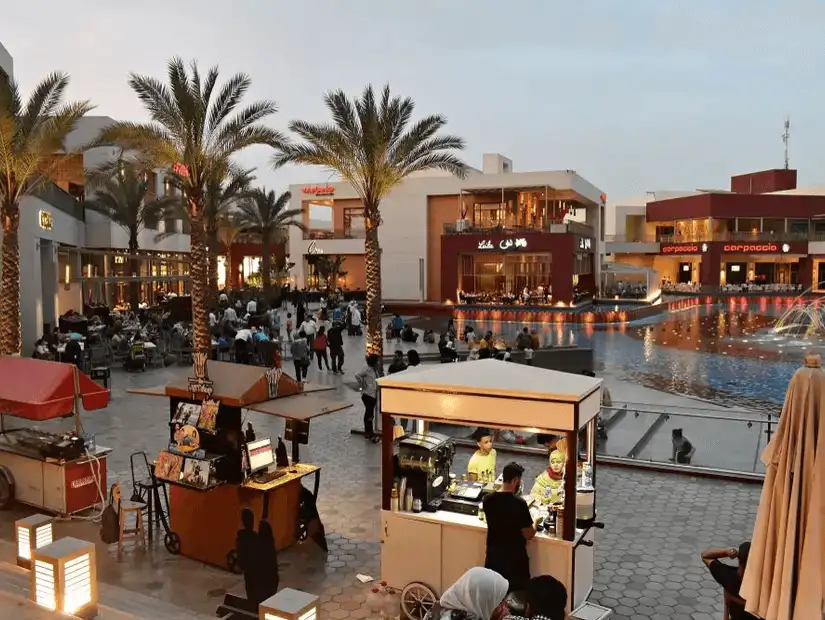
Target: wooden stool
(126, 507)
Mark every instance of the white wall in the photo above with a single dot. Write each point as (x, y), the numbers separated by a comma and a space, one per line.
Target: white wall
(6, 61)
(65, 229)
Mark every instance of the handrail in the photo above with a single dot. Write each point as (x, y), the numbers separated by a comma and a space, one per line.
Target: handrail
(711, 416)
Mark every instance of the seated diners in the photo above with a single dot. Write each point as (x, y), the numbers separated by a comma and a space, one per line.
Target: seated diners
(477, 595)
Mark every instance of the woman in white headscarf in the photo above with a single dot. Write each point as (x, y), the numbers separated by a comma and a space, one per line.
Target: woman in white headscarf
(477, 595)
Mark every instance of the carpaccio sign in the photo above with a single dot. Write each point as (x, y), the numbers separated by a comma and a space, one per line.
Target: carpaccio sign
(681, 248)
(757, 248)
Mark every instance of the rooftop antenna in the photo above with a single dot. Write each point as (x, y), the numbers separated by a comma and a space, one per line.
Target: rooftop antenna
(786, 136)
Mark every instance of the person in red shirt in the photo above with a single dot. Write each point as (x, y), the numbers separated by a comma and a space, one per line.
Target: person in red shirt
(319, 345)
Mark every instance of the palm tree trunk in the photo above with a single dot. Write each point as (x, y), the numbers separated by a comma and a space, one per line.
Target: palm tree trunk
(134, 270)
(212, 236)
(266, 266)
(200, 286)
(372, 258)
(230, 273)
(10, 332)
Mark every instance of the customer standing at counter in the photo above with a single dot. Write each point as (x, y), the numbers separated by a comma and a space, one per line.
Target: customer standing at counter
(482, 465)
(509, 527)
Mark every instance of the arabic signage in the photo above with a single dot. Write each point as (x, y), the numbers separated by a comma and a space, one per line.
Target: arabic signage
(757, 248)
(313, 249)
(683, 248)
(319, 190)
(512, 243)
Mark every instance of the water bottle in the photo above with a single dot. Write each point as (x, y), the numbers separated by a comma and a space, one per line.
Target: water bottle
(548, 493)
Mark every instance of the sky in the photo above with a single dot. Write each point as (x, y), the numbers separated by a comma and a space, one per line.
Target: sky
(635, 96)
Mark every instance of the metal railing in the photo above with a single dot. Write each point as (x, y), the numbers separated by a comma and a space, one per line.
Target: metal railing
(61, 200)
(338, 233)
(736, 236)
(725, 443)
(552, 227)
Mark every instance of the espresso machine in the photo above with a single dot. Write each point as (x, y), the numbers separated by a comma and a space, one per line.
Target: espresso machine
(424, 460)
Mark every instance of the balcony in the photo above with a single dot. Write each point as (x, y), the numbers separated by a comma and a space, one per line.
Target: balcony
(576, 228)
(61, 200)
(338, 233)
(738, 236)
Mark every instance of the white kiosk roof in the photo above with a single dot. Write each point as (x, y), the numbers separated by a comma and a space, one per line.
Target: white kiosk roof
(494, 393)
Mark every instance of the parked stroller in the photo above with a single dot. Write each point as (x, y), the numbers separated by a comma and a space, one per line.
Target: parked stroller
(136, 358)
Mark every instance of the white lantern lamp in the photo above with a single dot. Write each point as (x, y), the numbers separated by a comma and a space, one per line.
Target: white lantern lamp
(32, 533)
(289, 604)
(64, 577)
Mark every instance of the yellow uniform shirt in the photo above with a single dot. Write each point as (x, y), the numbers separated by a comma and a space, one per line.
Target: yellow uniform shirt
(483, 466)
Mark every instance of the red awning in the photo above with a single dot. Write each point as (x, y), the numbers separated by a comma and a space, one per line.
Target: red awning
(41, 390)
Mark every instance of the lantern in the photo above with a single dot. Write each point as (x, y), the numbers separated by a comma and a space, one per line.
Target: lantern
(32, 533)
(64, 577)
(289, 604)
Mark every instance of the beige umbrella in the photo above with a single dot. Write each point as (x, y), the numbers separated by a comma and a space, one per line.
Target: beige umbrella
(785, 576)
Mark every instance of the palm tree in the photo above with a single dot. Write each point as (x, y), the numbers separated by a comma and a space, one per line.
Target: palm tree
(229, 229)
(32, 137)
(222, 192)
(193, 134)
(265, 215)
(124, 192)
(373, 146)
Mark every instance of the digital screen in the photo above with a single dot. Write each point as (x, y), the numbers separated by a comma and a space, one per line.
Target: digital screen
(260, 454)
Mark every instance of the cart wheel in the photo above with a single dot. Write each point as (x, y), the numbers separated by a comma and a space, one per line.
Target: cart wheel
(232, 562)
(417, 600)
(6, 488)
(172, 543)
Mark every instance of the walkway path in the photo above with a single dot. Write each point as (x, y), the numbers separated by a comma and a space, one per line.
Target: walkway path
(647, 558)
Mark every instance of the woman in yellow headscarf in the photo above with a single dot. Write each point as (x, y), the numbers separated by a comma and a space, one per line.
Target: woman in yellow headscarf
(550, 482)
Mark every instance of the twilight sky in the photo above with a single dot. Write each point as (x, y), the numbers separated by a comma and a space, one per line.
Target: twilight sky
(635, 96)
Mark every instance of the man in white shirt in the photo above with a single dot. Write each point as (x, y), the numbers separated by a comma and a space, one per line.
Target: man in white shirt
(252, 307)
(230, 315)
(242, 352)
(244, 334)
(213, 320)
(356, 317)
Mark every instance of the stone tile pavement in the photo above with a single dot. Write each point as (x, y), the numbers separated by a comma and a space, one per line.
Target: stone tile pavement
(647, 557)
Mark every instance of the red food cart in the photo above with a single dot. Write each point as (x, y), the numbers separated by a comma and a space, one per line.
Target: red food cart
(59, 472)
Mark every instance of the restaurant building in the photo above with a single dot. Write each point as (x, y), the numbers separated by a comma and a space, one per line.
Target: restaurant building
(492, 234)
(763, 231)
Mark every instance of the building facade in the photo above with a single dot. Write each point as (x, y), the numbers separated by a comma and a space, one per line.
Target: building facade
(497, 230)
(763, 231)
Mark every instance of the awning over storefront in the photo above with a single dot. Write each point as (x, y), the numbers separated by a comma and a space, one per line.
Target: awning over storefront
(42, 390)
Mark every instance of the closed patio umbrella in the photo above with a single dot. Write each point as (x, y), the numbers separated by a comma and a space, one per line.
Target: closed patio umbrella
(785, 575)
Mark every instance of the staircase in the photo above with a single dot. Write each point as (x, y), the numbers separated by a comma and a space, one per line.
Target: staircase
(115, 603)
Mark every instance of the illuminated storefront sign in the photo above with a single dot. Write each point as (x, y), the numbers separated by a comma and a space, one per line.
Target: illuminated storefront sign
(314, 249)
(757, 248)
(46, 221)
(585, 243)
(683, 248)
(318, 190)
(504, 244)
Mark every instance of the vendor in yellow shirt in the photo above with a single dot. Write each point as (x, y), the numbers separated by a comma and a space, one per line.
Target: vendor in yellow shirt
(482, 465)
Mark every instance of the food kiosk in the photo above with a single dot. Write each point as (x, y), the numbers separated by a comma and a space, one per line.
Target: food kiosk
(426, 549)
(214, 468)
(64, 473)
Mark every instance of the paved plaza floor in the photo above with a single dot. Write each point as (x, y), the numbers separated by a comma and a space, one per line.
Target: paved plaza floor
(647, 557)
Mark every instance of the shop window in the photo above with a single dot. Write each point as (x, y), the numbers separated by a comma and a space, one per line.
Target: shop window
(819, 229)
(354, 224)
(774, 226)
(320, 216)
(799, 227)
(489, 215)
(736, 273)
(664, 233)
(749, 225)
(503, 273)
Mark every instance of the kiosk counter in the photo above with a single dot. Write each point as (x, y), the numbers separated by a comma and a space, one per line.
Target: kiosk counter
(426, 547)
(61, 472)
(215, 468)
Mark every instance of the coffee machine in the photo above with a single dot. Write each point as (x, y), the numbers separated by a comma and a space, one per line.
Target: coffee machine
(425, 461)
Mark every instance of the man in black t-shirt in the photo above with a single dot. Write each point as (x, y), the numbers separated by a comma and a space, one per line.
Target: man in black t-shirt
(509, 527)
(730, 577)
